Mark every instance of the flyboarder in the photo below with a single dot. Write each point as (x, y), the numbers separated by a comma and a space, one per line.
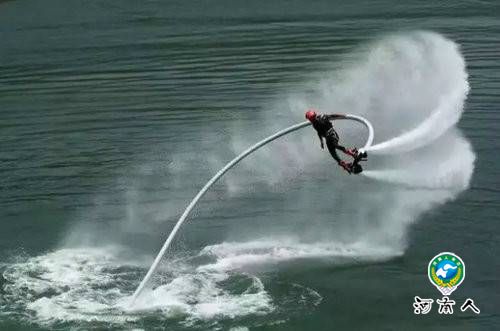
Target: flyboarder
(323, 125)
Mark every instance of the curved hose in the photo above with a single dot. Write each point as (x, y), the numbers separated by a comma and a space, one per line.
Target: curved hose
(219, 174)
(368, 125)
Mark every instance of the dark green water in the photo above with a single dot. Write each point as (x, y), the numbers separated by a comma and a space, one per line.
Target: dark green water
(113, 115)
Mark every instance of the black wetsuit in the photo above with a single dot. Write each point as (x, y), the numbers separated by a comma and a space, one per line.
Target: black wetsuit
(325, 130)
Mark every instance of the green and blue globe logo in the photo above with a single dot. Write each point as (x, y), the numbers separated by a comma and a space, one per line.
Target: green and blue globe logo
(446, 271)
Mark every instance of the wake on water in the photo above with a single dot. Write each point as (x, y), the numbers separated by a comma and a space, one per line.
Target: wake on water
(412, 87)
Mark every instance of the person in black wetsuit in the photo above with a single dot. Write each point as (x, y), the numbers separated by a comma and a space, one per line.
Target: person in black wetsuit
(321, 123)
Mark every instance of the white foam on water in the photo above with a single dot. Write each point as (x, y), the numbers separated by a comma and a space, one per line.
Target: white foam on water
(67, 285)
(238, 255)
(95, 285)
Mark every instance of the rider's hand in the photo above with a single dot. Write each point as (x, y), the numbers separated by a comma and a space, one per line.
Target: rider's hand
(322, 145)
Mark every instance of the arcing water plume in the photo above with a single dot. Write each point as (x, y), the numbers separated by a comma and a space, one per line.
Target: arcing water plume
(444, 158)
(436, 79)
(411, 87)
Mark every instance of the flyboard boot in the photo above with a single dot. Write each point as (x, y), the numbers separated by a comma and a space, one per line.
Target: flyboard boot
(347, 166)
(358, 157)
(352, 152)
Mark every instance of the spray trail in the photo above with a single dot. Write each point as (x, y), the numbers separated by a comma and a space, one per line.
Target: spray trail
(446, 164)
(433, 154)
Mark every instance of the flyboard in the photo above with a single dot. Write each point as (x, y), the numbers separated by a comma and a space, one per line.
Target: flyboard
(356, 168)
(362, 155)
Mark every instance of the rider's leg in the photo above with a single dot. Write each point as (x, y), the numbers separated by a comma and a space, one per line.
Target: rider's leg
(332, 148)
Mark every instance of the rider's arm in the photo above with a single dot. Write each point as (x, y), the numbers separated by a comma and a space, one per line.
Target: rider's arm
(335, 116)
(321, 140)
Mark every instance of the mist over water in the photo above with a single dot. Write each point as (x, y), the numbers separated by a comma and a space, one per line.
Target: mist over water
(411, 86)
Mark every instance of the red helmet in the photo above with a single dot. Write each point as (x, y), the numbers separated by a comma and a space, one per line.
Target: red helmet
(311, 115)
